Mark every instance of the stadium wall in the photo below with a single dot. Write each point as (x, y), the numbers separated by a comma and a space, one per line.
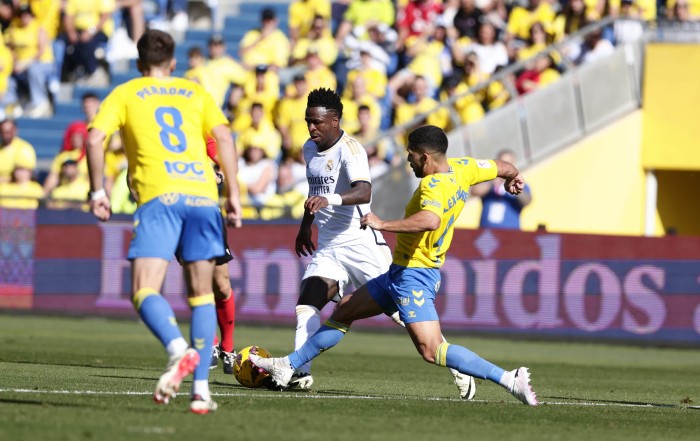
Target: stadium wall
(671, 97)
(536, 284)
(596, 186)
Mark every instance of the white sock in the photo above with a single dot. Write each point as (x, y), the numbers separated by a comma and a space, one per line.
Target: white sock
(177, 347)
(396, 319)
(201, 388)
(508, 380)
(308, 322)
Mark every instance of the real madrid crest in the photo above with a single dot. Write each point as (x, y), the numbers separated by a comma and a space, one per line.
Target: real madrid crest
(329, 165)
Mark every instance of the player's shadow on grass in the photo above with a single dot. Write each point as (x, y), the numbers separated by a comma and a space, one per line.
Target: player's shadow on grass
(621, 402)
(128, 377)
(40, 403)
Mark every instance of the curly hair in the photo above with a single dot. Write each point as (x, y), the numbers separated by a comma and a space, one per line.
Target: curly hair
(326, 98)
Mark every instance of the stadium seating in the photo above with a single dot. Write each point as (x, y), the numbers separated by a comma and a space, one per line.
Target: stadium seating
(46, 134)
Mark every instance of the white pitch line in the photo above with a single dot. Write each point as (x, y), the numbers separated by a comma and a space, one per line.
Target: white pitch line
(332, 397)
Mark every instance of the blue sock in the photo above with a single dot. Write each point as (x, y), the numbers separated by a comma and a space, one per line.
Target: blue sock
(467, 362)
(202, 330)
(325, 338)
(157, 314)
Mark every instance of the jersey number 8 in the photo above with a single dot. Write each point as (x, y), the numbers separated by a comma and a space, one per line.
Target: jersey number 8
(170, 121)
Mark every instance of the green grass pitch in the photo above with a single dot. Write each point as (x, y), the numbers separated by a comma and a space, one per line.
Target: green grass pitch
(92, 379)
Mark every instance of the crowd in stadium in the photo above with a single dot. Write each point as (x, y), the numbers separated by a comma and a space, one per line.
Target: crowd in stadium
(391, 60)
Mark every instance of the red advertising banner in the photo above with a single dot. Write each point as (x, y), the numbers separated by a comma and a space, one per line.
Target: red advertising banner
(623, 288)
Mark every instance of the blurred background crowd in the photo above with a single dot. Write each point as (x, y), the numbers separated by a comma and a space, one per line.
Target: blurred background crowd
(393, 62)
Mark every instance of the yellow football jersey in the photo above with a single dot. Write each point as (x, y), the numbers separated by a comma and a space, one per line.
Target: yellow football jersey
(443, 194)
(163, 124)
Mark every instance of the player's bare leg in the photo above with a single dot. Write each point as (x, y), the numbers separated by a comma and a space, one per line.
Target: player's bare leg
(465, 383)
(315, 294)
(427, 338)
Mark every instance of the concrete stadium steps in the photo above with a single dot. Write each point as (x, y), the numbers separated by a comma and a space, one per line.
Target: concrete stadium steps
(47, 143)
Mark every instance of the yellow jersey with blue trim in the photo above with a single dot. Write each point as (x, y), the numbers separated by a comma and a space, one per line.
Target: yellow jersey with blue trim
(163, 122)
(443, 194)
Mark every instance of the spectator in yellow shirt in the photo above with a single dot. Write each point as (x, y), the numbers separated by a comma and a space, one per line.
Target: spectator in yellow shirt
(359, 96)
(422, 104)
(21, 191)
(48, 14)
(221, 71)
(266, 45)
(11, 147)
(196, 65)
(261, 133)
(318, 38)
(521, 20)
(374, 78)
(318, 75)
(362, 13)
(291, 113)
(73, 190)
(33, 62)
(302, 15)
(262, 86)
(468, 106)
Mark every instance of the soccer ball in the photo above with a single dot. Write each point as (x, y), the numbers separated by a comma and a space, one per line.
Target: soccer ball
(244, 371)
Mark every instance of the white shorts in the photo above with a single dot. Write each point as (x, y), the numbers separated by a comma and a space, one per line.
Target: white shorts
(356, 264)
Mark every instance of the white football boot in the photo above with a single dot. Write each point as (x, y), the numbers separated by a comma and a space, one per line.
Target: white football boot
(177, 369)
(520, 387)
(301, 381)
(201, 406)
(279, 368)
(465, 383)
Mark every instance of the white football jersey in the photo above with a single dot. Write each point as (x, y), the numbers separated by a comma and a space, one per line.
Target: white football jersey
(333, 171)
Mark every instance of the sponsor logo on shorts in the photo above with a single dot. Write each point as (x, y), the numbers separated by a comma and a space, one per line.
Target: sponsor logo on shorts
(169, 198)
(193, 201)
(411, 314)
(437, 286)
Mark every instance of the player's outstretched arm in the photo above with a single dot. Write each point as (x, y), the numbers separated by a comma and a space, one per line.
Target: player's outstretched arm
(228, 162)
(99, 202)
(419, 222)
(515, 183)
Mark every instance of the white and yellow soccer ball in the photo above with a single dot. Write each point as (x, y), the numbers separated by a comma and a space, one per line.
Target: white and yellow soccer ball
(245, 372)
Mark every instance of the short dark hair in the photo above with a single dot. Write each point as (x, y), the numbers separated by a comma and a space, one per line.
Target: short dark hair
(89, 96)
(428, 139)
(195, 51)
(155, 48)
(326, 98)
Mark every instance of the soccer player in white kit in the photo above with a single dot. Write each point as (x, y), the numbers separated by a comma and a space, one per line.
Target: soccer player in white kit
(339, 195)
